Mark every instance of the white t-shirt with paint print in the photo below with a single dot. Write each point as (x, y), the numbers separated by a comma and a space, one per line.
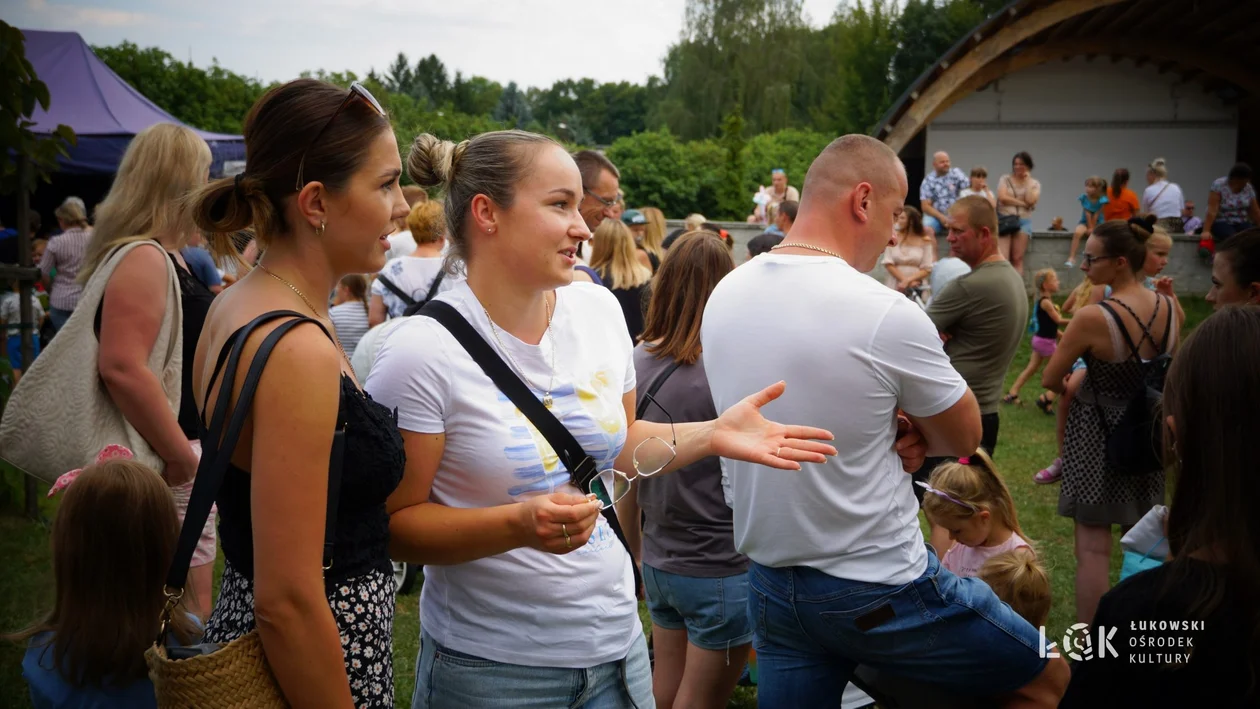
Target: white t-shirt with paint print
(524, 607)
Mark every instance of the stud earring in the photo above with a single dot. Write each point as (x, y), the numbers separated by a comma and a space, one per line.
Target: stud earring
(491, 230)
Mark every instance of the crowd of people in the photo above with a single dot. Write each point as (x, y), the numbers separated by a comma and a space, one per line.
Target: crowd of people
(350, 393)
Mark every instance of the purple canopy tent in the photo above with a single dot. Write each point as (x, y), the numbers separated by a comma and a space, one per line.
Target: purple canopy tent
(104, 111)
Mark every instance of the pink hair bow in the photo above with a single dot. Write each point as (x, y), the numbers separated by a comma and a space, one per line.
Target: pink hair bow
(107, 453)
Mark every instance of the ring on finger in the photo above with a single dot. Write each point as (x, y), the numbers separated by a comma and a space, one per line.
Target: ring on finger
(776, 451)
(567, 539)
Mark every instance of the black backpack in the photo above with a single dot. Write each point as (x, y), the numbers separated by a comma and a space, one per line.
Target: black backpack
(1134, 445)
(413, 305)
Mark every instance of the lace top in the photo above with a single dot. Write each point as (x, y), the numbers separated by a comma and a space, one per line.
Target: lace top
(372, 468)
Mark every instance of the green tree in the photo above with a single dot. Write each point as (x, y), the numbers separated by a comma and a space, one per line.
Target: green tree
(733, 197)
(399, 78)
(430, 76)
(863, 45)
(213, 99)
(476, 96)
(658, 170)
(791, 150)
(513, 109)
(733, 50)
(924, 31)
(20, 92)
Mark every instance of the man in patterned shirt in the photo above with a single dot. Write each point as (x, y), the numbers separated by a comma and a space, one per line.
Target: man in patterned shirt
(939, 191)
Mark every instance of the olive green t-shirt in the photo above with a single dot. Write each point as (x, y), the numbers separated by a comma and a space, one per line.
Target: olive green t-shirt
(985, 314)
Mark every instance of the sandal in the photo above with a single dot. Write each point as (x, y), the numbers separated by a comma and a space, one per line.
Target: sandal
(1046, 405)
(1050, 474)
(1012, 399)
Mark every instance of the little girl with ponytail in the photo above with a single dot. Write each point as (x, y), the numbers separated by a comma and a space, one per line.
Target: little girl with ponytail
(969, 499)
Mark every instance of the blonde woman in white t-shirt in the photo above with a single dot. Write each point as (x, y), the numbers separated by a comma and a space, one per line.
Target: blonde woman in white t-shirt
(415, 272)
(528, 593)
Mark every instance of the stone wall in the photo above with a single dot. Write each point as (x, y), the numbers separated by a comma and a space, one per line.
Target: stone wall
(1190, 275)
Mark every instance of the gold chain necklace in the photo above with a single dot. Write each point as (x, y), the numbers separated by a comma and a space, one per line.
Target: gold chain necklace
(546, 400)
(336, 340)
(794, 245)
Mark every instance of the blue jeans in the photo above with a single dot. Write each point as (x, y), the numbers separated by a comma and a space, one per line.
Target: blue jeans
(446, 679)
(58, 317)
(813, 630)
(714, 611)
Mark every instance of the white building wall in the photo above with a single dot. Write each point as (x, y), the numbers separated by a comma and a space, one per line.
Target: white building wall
(1080, 118)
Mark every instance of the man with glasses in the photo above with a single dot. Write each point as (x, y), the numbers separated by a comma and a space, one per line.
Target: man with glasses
(601, 187)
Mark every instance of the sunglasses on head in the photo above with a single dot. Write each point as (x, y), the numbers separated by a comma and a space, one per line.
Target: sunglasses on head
(356, 91)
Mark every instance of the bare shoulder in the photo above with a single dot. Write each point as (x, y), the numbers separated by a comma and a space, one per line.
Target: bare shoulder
(143, 265)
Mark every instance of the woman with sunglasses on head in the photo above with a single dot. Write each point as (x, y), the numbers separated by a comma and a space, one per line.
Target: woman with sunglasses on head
(695, 581)
(529, 597)
(1094, 493)
(321, 191)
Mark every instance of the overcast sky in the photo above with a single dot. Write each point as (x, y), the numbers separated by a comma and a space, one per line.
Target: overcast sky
(532, 42)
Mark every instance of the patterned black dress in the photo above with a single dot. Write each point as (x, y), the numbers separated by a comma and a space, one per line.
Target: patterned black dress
(1091, 492)
(360, 584)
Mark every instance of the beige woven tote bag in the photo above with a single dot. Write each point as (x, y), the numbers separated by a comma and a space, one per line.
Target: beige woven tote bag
(60, 415)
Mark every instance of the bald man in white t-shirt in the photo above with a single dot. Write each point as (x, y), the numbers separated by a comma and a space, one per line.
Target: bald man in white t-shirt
(840, 572)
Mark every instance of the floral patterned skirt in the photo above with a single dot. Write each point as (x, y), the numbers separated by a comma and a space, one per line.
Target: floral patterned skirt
(363, 607)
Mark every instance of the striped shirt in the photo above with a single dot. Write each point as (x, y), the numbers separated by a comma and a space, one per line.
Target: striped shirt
(65, 253)
(350, 319)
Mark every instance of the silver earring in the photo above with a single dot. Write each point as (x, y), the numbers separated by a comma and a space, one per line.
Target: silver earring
(319, 231)
(491, 230)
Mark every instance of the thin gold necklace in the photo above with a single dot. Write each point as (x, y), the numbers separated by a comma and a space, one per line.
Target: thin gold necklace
(546, 400)
(795, 245)
(336, 340)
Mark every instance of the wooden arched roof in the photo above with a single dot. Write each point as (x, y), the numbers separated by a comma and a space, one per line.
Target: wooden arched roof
(1213, 42)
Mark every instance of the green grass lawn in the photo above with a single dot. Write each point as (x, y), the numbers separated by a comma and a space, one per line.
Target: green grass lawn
(1026, 444)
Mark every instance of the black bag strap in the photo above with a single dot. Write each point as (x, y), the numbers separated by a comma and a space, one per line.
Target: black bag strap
(218, 444)
(414, 307)
(581, 466)
(402, 295)
(1134, 348)
(655, 387)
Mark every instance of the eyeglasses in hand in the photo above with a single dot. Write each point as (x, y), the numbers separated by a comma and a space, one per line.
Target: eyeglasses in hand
(650, 457)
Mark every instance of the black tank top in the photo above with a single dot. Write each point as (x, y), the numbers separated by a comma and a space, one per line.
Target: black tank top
(373, 467)
(1046, 326)
(195, 300)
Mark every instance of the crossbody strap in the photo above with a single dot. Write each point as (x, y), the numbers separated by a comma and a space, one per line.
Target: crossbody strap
(218, 444)
(656, 386)
(581, 467)
(402, 295)
(415, 307)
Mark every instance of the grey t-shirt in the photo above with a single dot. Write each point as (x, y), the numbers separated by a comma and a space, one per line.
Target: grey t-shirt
(985, 314)
(687, 528)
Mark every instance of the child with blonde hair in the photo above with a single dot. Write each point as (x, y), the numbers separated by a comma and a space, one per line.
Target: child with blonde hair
(1019, 579)
(970, 500)
(112, 544)
(1047, 319)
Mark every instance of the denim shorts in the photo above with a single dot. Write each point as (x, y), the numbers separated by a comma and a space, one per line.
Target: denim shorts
(447, 678)
(714, 611)
(932, 223)
(814, 629)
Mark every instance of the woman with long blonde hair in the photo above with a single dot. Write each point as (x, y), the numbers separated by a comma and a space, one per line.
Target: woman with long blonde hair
(654, 235)
(146, 205)
(613, 258)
